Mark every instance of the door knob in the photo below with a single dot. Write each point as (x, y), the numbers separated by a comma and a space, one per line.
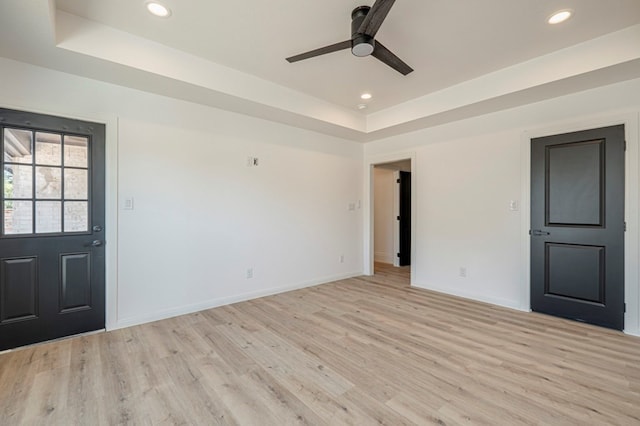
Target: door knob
(96, 243)
(538, 233)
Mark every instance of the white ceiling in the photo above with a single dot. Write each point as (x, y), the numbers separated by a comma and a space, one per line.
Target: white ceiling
(445, 41)
(469, 56)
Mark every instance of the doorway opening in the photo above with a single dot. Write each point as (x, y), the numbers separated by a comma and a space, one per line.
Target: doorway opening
(391, 210)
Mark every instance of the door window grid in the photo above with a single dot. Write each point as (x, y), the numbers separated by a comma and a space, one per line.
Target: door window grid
(46, 191)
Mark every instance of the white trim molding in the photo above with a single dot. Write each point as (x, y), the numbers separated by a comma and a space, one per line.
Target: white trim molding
(368, 190)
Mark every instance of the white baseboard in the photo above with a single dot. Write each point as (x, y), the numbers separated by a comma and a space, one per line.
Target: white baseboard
(632, 332)
(505, 303)
(221, 301)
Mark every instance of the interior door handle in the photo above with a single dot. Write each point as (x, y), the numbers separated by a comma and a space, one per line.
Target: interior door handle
(95, 243)
(538, 233)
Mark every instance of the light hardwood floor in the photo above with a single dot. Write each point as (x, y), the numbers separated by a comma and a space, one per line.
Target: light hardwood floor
(368, 350)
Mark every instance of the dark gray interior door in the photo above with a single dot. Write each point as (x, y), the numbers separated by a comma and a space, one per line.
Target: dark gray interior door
(577, 226)
(405, 219)
(52, 264)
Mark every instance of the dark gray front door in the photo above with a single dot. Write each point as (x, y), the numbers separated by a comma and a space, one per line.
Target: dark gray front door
(577, 226)
(52, 264)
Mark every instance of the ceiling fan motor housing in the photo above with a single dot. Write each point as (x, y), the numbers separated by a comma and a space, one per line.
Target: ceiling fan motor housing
(361, 44)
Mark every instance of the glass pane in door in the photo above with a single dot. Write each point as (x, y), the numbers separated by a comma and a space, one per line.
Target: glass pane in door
(18, 180)
(76, 151)
(76, 184)
(18, 217)
(48, 182)
(49, 149)
(48, 216)
(18, 146)
(76, 216)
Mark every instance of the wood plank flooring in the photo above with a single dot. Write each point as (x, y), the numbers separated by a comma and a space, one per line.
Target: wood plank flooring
(362, 351)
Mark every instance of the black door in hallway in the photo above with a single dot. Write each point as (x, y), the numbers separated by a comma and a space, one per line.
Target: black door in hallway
(405, 219)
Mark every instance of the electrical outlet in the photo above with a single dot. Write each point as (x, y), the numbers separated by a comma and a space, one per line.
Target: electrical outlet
(463, 271)
(249, 273)
(341, 259)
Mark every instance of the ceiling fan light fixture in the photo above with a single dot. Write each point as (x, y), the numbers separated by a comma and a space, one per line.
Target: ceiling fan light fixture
(362, 45)
(158, 9)
(560, 16)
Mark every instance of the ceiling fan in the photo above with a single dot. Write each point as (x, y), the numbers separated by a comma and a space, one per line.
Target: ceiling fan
(365, 23)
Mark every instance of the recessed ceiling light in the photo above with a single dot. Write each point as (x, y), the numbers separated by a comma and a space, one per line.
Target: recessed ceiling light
(362, 106)
(366, 96)
(559, 16)
(158, 9)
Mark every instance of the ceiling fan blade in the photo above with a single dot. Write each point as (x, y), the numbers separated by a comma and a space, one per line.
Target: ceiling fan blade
(383, 54)
(321, 51)
(375, 17)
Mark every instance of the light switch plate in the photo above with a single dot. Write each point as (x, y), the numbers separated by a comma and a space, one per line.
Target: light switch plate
(128, 204)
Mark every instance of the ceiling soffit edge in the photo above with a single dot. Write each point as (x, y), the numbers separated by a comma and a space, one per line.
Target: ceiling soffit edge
(506, 88)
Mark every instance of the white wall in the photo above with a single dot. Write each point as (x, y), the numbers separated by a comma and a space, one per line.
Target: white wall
(384, 214)
(465, 176)
(464, 191)
(201, 217)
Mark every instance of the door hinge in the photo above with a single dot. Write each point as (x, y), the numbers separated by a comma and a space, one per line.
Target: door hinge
(397, 217)
(625, 227)
(624, 307)
(397, 180)
(625, 145)
(397, 254)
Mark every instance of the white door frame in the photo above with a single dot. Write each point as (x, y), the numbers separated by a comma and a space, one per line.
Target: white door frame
(368, 246)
